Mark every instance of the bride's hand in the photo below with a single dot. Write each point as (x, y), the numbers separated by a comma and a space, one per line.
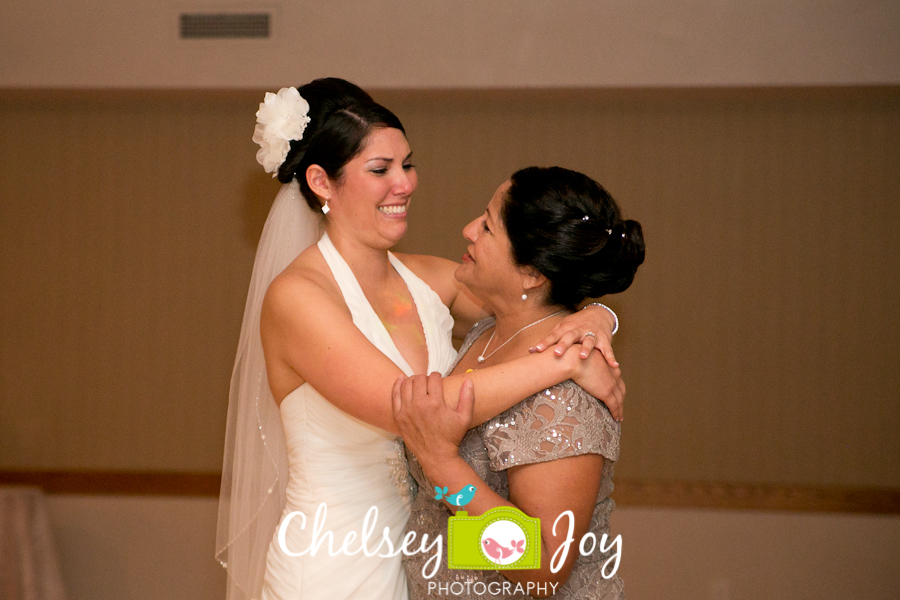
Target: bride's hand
(600, 380)
(575, 328)
(431, 429)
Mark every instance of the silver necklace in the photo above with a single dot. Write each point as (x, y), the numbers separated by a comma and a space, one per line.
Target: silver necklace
(483, 358)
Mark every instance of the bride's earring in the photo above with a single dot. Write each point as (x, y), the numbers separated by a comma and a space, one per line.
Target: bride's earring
(524, 296)
(326, 208)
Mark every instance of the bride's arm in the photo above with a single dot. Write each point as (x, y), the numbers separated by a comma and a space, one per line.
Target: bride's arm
(305, 328)
(505, 385)
(466, 310)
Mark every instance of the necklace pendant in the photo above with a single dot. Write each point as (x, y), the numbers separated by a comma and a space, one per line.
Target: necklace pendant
(481, 359)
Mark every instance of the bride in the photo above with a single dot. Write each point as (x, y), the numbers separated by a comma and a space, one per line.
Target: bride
(332, 319)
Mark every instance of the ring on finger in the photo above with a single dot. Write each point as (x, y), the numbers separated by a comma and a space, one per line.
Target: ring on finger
(589, 334)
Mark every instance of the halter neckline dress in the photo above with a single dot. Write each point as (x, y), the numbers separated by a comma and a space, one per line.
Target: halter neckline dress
(350, 465)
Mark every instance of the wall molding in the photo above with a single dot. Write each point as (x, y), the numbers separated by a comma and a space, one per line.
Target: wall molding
(628, 492)
(750, 496)
(116, 483)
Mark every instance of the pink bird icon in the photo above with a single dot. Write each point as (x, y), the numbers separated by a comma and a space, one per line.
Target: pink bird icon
(493, 549)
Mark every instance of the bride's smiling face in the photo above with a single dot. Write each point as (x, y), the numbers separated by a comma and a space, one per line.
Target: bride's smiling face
(372, 198)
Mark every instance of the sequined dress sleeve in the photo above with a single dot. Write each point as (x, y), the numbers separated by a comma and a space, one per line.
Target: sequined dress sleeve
(558, 422)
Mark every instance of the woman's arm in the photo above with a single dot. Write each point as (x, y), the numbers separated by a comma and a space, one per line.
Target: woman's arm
(348, 370)
(544, 490)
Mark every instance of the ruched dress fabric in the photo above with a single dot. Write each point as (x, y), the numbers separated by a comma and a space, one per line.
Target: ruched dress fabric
(350, 466)
(558, 422)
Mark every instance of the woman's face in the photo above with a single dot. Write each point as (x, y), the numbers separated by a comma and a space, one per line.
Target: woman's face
(372, 198)
(487, 268)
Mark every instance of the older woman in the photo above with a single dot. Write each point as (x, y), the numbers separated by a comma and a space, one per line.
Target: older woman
(549, 238)
(329, 325)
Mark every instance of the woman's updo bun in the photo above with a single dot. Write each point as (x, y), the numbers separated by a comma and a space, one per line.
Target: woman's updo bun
(568, 227)
(342, 116)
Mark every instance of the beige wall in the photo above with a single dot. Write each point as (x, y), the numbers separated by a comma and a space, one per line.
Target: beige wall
(761, 329)
(758, 338)
(456, 43)
(153, 549)
(142, 548)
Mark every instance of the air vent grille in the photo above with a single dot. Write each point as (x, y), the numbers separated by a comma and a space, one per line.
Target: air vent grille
(229, 26)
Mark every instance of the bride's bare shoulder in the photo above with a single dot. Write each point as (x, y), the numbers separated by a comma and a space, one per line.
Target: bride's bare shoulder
(307, 281)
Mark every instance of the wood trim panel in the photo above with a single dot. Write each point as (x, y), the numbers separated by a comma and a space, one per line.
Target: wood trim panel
(117, 482)
(628, 492)
(737, 496)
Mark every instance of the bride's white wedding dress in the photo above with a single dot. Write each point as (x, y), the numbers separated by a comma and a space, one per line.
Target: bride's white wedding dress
(350, 466)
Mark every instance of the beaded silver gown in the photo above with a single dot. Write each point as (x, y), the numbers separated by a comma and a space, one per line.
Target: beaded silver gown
(558, 422)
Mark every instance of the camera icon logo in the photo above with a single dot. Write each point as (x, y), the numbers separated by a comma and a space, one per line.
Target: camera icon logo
(502, 538)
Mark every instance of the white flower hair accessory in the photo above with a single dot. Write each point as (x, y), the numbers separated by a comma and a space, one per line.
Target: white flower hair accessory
(281, 118)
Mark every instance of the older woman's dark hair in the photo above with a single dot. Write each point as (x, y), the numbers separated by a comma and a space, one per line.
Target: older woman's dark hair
(341, 117)
(565, 225)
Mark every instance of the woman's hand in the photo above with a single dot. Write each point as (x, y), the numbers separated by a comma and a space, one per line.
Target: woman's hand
(431, 429)
(600, 380)
(576, 327)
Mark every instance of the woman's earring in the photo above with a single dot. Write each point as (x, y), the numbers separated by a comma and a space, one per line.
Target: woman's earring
(524, 296)
(326, 208)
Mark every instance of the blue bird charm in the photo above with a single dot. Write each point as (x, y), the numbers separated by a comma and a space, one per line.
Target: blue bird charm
(460, 498)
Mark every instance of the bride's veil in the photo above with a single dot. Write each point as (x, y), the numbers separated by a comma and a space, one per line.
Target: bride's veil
(255, 469)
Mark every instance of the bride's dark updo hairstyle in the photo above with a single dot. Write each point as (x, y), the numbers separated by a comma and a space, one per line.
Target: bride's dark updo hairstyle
(570, 229)
(341, 117)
